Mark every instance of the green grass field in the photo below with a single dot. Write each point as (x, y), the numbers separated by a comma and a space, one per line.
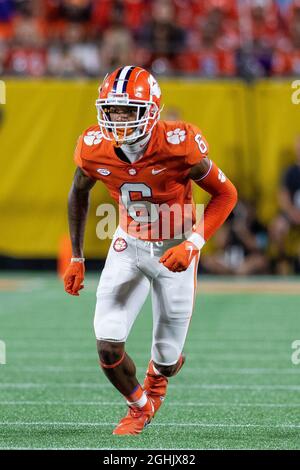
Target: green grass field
(238, 389)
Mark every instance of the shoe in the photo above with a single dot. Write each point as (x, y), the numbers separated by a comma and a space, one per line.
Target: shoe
(135, 420)
(155, 385)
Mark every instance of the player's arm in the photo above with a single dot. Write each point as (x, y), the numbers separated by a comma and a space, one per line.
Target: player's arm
(223, 199)
(78, 204)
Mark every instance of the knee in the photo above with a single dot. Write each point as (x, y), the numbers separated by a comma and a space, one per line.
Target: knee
(165, 352)
(109, 352)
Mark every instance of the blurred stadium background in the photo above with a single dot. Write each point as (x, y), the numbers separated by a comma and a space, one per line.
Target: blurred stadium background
(52, 55)
(227, 66)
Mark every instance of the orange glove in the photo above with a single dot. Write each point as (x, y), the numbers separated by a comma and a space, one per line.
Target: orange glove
(74, 277)
(179, 257)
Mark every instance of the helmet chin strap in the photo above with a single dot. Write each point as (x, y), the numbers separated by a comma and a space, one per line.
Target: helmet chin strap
(135, 150)
(136, 139)
(138, 143)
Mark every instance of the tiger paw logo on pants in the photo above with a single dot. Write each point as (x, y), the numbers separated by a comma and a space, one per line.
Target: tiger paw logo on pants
(176, 136)
(120, 244)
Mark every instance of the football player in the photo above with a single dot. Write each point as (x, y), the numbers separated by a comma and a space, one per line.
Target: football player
(148, 167)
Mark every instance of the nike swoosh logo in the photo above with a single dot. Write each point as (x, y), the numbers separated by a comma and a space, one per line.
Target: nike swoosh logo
(155, 172)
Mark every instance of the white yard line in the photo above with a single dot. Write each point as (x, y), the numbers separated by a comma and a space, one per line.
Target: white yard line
(204, 353)
(171, 403)
(99, 424)
(27, 385)
(212, 370)
(149, 449)
(215, 341)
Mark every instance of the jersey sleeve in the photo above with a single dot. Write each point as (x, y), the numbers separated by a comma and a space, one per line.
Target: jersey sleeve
(78, 156)
(197, 146)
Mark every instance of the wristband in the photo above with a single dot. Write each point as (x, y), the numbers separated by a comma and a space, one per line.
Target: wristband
(198, 241)
(77, 260)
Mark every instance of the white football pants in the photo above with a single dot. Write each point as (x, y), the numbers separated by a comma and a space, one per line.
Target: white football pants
(131, 270)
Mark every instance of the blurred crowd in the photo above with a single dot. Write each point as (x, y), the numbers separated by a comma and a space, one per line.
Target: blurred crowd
(209, 38)
(244, 245)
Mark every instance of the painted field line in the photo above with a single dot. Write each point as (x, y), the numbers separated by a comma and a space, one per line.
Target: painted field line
(112, 448)
(205, 354)
(171, 403)
(27, 385)
(105, 424)
(142, 351)
(86, 340)
(248, 286)
(203, 335)
(212, 370)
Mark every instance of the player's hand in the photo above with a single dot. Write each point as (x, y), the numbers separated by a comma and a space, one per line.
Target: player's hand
(179, 257)
(74, 277)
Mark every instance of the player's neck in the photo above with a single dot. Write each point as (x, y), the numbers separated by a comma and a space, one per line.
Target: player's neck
(134, 151)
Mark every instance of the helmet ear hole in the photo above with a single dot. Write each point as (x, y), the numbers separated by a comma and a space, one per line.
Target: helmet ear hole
(152, 111)
(142, 111)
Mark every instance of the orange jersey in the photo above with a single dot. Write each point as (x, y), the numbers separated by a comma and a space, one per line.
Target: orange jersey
(156, 187)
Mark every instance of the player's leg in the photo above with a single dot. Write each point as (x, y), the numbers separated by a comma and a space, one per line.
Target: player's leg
(113, 320)
(122, 291)
(122, 374)
(117, 365)
(172, 301)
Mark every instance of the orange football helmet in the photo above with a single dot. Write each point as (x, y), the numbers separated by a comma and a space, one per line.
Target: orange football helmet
(128, 86)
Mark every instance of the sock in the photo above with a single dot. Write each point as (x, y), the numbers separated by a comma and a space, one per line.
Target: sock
(137, 397)
(156, 372)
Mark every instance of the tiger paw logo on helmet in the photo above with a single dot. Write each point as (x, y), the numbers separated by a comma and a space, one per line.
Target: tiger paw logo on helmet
(93, 138)
(176, 136)
(154, 87)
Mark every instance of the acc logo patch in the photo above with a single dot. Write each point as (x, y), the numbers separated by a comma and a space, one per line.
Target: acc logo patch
(92, 138)
(120, 244)
(176, 136)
